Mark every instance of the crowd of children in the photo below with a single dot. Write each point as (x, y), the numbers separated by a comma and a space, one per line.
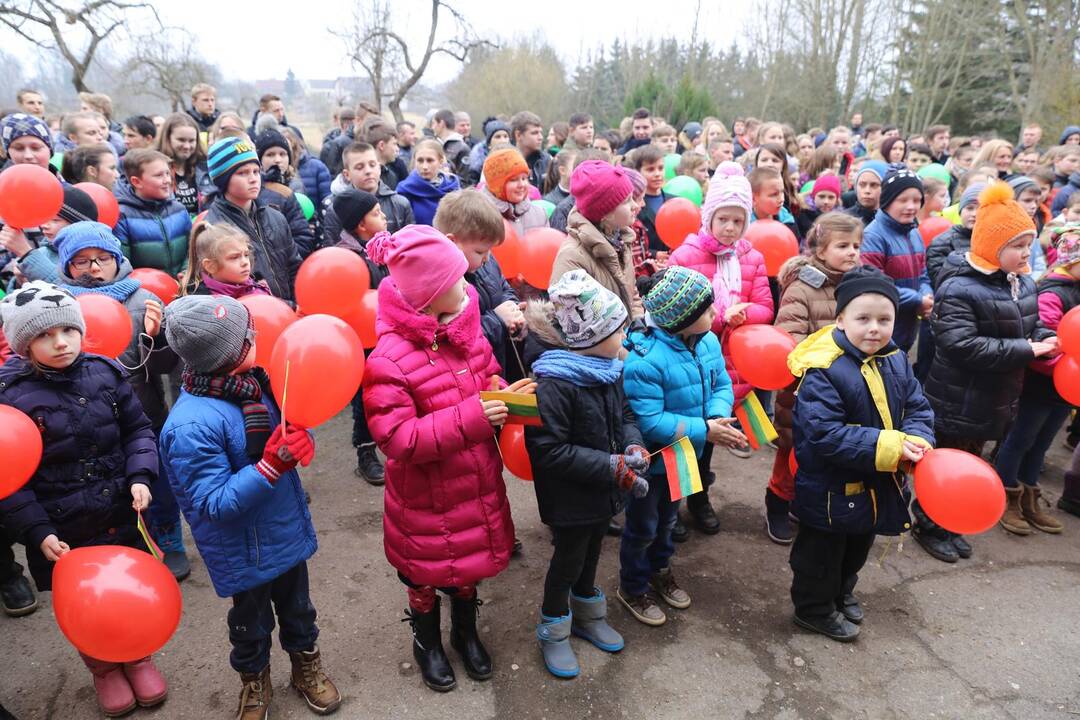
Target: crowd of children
(901, 347)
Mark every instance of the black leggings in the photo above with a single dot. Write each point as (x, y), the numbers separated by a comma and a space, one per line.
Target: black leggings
(573, 566)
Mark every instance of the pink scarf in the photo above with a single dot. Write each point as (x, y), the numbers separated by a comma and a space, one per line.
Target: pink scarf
(234, 290)
(727, 281)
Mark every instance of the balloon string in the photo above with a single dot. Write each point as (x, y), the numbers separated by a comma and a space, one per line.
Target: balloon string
(284, 397)
(517, 355)
(146, 359)
(150, 544)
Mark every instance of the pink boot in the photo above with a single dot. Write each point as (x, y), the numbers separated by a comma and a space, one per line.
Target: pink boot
(146, 682)
(114, 694)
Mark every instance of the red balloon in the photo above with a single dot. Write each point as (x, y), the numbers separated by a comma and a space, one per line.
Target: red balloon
(20, 446)
(156, 281)
(115, 603)
(325, 364)
(959, 491)
(508, 252)
(1068, 332)
(515, 457)
(29, 195)
(271, 316)
(1067, 379)
(931, 227)
(331, 281)
(676, 219)
(108, 210)
(759, 353)
(108, 325)
(362, 319)
(539, 249)
(773, 240)
(792, 463)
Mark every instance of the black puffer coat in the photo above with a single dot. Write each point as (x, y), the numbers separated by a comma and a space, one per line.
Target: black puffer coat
(492, 290)
(955, 238)
(276, 258)
(981, 335)
(96, 443)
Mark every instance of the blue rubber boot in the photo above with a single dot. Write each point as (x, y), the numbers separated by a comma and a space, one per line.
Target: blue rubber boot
(590, 622)
(554, 637)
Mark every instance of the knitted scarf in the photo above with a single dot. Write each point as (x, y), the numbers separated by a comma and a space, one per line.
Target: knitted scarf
(119, 291)
(727, 281)
(251, 286)
(245, 390)
(581, 370)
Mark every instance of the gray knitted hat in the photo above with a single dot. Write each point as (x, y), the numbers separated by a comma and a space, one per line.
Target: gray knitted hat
(211, 333)
(586, 312)
(36, 308)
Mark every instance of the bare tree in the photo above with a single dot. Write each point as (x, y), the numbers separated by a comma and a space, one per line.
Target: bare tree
(166, 65)
(376, 46)
(47, 24)
(1047, 34)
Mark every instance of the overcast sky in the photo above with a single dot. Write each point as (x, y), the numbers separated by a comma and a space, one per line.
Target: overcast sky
(297, 35)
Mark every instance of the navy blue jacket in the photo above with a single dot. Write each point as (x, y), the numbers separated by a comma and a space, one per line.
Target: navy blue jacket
(316, 177)
(492, 291)
(852, 414)
(96, 442)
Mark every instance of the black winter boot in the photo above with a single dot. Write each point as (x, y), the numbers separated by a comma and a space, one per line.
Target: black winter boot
(465, 640)
(368, 465)
(17, 597)
(428, 649)
(933, 538)
(702, 513)
(1070, 495)
(777, 522)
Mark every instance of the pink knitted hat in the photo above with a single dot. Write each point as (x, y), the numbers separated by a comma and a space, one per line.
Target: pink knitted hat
(423, 263)
(728, 188)
(827, 183)
(598, 188)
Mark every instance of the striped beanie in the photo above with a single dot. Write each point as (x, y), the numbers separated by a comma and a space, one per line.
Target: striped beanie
(678, 297)
(225, 156)
(17, 125)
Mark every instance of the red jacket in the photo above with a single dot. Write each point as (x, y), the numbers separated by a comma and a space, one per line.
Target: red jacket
(446, 520)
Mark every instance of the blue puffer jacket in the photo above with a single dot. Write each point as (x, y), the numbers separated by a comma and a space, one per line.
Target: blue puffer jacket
(316, 177)
(674, 389)
(247, 530)
(96, 443)
(897, 250)
(152, 233)
(852, 414)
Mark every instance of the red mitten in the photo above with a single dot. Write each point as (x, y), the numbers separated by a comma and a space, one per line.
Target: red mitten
(300, 443)
(276, 458)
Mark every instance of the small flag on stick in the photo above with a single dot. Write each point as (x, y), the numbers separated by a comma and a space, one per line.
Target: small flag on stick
(680, 462)
(522, 406)
(755, 423)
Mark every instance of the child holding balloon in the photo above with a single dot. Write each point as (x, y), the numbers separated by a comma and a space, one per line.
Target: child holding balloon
(1042, 409)
(859, 414)
(41, 262)
(987, 329)
(231, 460)
(807, 304)
(98, 461)
(447, 521)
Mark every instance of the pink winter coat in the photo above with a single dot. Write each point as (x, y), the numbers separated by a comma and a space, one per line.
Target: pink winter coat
(446, 520)
(699, 253)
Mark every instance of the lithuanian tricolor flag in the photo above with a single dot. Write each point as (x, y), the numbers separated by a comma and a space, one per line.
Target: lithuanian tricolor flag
(680, 462)
(755, 423)
(522, 406)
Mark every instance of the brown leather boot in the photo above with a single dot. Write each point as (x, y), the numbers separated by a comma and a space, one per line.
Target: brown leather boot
(255, 695)
(1035, 512)
(1013, 519)
(310, 681)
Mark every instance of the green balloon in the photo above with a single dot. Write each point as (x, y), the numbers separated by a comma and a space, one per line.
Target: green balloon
(670, 163)
(57, 161)
(684, 186)
(306, 205)
(934, 170)
(807, 187)
(549, 207)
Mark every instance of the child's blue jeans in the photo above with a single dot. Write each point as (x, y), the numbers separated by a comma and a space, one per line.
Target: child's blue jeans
(646, 545)
(251, 620)
(1021, 455)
